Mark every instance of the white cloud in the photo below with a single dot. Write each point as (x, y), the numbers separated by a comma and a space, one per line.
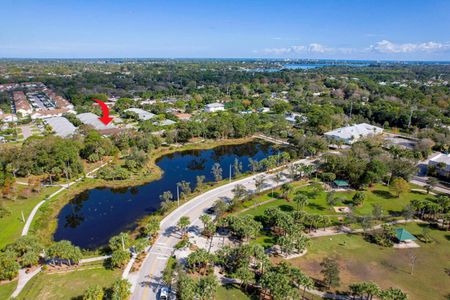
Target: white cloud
(299, 49)
(386, 46)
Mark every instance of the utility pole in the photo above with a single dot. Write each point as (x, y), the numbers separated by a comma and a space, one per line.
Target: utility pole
(351, 108)
(178, 195)
(230, 172)
(410, 116)
(123, 244)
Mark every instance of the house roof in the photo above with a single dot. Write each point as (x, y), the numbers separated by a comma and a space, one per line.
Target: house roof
(92, 119)
(403, 235)
(61, 126)
(142, 114)
(166, 122)
(214, 105)
(354, 131)
(441, 158)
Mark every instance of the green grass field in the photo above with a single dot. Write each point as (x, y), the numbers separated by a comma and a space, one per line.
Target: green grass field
(12, 225)
(68, 285)
(229, 292)
(378, 194)
(7, 289)
(360, 260)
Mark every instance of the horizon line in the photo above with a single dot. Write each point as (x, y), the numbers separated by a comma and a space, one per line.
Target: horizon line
(224, 58)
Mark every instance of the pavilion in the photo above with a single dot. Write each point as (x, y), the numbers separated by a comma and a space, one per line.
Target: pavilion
(403, 235)
(342, 184)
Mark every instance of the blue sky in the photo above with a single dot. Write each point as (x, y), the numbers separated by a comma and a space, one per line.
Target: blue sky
(341, 29)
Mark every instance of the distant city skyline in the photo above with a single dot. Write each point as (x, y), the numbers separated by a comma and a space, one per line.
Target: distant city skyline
(329, 29)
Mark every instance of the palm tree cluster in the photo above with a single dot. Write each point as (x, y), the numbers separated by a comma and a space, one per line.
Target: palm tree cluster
(367, 290)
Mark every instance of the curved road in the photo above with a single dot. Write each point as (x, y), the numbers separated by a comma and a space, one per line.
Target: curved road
(148, 281)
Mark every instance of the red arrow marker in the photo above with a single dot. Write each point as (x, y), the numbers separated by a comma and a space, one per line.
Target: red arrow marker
(106, 118)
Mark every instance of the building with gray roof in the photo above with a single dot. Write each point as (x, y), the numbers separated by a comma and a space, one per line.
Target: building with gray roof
(351, 134)
(61, 126)
(92, 120)
(142, 114)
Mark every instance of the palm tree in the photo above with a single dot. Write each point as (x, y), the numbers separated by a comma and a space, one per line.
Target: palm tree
(301, 201)
(431, 183)
(183, 224)
(286, 188)
(307, 170)
(217, 172)
(277, 178)
(259, 183)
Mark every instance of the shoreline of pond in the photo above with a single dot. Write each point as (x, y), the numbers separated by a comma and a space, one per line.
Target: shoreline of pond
(45, 224)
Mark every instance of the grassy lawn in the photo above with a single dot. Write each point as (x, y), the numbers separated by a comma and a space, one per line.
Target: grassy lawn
(7, 289)
(360, 260)
(378, 194)
(12, 225)
(229, 292)
(67, 285)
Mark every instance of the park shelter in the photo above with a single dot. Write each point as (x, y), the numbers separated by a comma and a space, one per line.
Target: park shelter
(403, 235)
(341, 183)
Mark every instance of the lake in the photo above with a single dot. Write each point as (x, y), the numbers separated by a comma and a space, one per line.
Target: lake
(94, 216)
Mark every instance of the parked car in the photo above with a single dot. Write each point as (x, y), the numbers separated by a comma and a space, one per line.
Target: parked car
(210, 211)
(164, 293)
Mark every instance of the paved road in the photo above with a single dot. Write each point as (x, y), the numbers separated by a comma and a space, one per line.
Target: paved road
(147, 283)
(26, 131)
(422, 181)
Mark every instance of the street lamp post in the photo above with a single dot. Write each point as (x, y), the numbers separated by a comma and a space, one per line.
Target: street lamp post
(178, 195)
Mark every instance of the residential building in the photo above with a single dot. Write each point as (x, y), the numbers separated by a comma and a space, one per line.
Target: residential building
(183, 116)
(293, 117)
(21, 103)
(143, 115)
(351, 134)
(441, 162)
(61, 126)
(93, 121)
(213, 107)
(166, 122)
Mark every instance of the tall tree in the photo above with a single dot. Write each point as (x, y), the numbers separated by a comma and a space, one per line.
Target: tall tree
(330, 272)
(217, 172)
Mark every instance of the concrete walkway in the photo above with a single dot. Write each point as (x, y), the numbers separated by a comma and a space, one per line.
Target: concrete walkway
(24, 277)
(92, 259)
(271, 139)
(329, 231)
(30, 218)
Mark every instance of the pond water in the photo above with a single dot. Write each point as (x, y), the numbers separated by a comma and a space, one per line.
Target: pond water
(92, 217)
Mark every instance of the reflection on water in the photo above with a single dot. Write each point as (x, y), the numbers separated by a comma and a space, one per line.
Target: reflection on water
(92, 217)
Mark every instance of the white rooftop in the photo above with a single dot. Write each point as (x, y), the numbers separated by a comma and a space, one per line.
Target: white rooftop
(214, 105)
(441, 158)
(354, 132)
(166, 122)
(61, 126)
(142, 114)
(92, 119)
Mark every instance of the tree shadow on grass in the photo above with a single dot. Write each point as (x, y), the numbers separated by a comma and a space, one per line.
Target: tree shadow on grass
(251, 292)
(394, 213)
(286, 208)
(383, 194)
(316, 206)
